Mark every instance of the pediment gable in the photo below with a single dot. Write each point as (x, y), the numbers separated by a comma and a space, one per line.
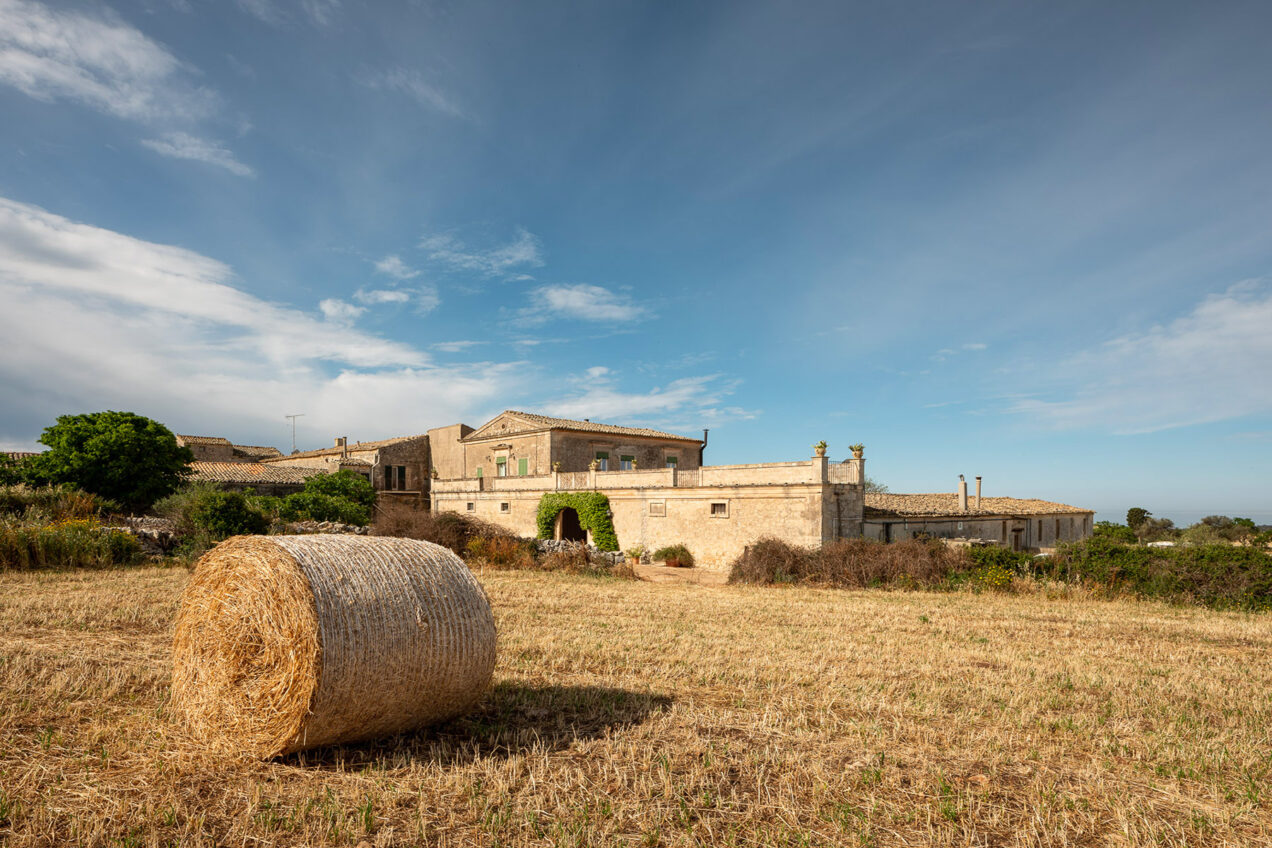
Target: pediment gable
(507, 423)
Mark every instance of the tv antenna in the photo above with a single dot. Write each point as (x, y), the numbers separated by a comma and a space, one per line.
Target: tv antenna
(293, 421)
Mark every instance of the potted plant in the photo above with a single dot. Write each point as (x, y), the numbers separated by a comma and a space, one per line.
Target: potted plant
(436, 474)
(675, 556)
(635, 554)
(556, 466)
(858, 450)
(820, 448)
(594, 464)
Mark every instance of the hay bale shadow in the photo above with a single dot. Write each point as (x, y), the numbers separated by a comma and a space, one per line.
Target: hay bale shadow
(513, 718)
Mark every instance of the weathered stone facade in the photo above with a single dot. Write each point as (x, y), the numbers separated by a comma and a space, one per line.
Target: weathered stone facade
(1018, 523)
(398, 467)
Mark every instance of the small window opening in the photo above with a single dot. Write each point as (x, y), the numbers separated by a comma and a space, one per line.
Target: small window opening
(625, 463)
(471, 506)
(504, 507)
(720, 509)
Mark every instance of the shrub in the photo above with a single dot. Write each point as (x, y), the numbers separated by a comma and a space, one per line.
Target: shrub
(848, 563)
(503, 551)
(1116, 532)
(52, 503)
(449, 529)
(316, 506)
(594, 516)
(1220, 576)
(225, 514)
(118, 455)
(343, 484)
(674, 554)
(79, 543)
(344, 497)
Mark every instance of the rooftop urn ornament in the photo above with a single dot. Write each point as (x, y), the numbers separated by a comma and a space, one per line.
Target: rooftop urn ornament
(594, 464)
(820, 448)
(858, 450)
(634, 465)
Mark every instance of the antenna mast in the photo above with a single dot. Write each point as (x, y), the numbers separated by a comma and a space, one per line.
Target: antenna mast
(293, 421)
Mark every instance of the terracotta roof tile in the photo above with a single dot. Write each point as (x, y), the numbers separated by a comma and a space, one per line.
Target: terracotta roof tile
(202, 440)
(250, 472)
(946, 503)
(259, 451)
(357, 446)
(547, 422)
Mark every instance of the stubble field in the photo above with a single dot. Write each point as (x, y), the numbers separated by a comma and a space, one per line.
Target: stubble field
(644, 714)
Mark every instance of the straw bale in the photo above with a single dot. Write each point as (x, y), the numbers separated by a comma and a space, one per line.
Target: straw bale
(284, 643)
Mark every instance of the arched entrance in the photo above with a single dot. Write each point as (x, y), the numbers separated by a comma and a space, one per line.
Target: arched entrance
(568, 527)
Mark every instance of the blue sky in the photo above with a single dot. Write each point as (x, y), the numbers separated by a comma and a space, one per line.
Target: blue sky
(1019, 240)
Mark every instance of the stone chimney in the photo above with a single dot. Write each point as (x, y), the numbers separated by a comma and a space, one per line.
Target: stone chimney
(962, 494)
(342, 442)
(978, 485)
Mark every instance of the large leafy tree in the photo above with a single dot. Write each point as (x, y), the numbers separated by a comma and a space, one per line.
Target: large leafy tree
(119, 455)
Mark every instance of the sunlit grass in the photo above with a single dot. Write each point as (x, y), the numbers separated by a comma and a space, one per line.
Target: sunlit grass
(644, 714)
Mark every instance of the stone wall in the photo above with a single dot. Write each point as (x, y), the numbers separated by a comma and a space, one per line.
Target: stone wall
(575, 451)
(446, 452)
(1034, 531)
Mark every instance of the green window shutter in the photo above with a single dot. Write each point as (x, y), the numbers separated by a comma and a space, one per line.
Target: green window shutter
(523, 467)
(628, 458)
(479, 471)
(602, 454)
(671, 461)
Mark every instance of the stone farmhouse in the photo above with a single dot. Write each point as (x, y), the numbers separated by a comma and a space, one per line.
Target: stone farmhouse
(237, 467)
(659, 491)
(1018, 523)
(397, 468)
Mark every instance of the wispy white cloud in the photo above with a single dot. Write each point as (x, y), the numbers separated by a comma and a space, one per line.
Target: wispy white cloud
(687, 402)
(393, 266)
(100, 61)
(180, 145)
(524, 251)
(378, 296)
(321, 12)
(946, 352)
(456, 347)
(583, 302)
(1208, 365)
(339, 311)
(413, 84)
(165, 331)
(95, 59)
(425, 298)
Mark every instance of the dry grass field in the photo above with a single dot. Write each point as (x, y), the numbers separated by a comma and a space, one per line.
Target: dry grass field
(642, 714)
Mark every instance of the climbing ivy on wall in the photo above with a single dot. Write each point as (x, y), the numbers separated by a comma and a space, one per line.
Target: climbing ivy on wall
(594, 516)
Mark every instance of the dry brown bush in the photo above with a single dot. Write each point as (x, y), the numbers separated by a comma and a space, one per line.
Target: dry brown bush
(448, 529)
(848, 563)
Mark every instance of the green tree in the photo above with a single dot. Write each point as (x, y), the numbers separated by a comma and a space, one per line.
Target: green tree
(343, 484)
(345, 497)
(1135, 516)
(118, 455)
(874, 486)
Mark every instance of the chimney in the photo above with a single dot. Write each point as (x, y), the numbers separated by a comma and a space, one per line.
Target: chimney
(702, 449)
(978, 482)
(342, 442)
(962, 494)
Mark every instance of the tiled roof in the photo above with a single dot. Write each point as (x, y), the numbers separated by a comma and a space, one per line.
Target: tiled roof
(250, 472)
(357, 446)
(260, 451)
(203, 440)
(946, 503)
(353, 460)
(547, 422)
(21, 454)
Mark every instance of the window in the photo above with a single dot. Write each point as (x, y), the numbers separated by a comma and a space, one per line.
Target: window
(388, 477)
(401, 469)
(479, 472)
(504, 507)
(658, 508)
(602, 461)
(625, 463)
(523, 467)
(671, 461)
(719, 509)
(501, 466)
(472, 507)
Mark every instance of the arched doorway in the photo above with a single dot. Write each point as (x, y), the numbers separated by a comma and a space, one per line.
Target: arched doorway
(568, 527)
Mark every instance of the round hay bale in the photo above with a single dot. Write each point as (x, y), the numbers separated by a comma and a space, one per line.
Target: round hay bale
(290, 642)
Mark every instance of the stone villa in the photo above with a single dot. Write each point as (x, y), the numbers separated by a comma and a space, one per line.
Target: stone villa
(659, 491)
